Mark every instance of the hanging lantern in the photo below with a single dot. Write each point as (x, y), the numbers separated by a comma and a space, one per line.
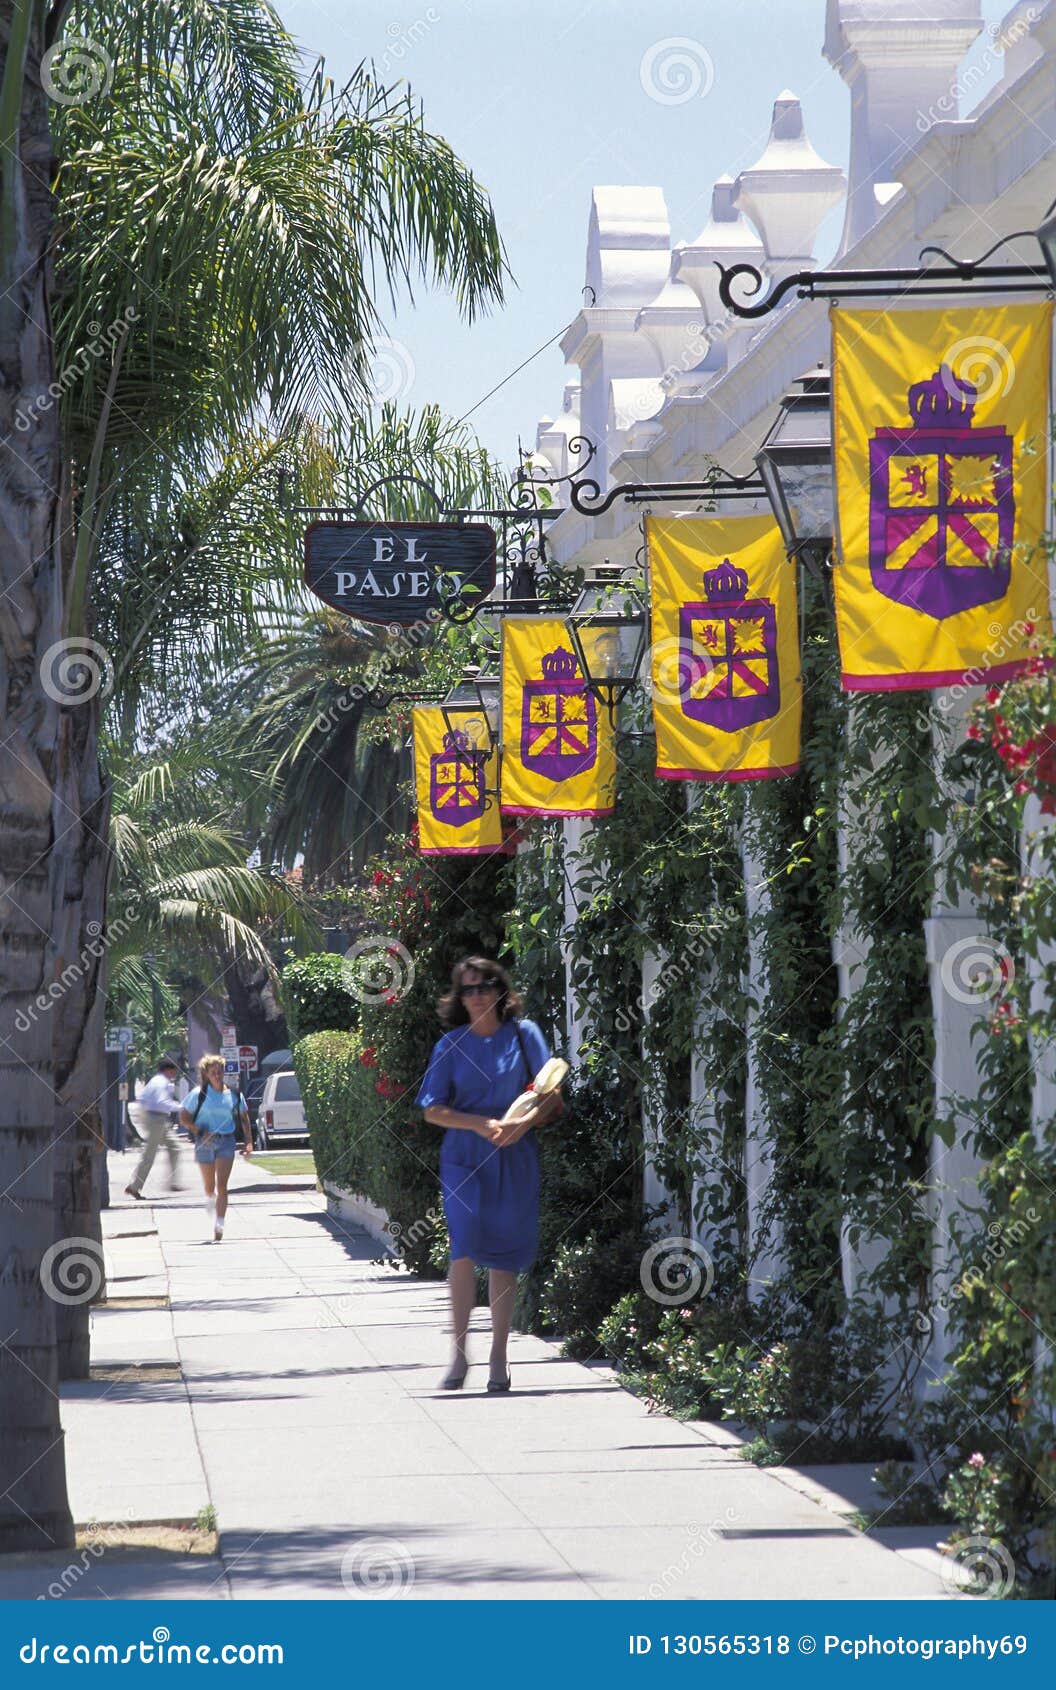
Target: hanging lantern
(607, 629)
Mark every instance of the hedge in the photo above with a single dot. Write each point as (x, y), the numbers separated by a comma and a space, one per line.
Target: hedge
(318, 995)
(368, 1143)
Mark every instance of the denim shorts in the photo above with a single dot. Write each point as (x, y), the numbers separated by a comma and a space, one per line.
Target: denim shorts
(214, 1147)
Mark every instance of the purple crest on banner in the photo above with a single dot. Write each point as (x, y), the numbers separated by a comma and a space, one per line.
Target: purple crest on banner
(942, 508)
(728, 670)
(559, 720)
(456, 781)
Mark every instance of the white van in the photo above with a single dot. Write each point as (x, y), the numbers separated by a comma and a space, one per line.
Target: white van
(281, 1113)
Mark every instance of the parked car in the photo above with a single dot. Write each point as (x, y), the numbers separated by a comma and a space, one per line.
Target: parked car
(280, 1116)
(253, 1093)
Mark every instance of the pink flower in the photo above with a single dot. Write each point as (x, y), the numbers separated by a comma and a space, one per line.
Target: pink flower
(977, 1460)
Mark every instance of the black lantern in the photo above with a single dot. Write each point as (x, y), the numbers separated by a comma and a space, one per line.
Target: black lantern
(795, 463)
(474, 706)
(606, 626)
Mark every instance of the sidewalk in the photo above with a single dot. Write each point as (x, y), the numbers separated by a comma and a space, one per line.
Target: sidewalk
(291, 1385)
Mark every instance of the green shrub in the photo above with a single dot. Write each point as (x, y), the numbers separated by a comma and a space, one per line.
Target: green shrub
(590, 1242)
(318, 995)
(366, 1142)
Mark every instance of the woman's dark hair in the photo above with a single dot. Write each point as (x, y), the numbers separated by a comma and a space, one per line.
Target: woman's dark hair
(451, 1009)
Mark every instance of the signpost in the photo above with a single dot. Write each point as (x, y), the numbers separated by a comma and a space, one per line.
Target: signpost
(120, 1038)
(247, 1056)
(396, 572)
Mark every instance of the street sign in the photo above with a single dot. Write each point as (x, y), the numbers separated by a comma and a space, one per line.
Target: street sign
(230, 1065)
(228, 1034)
(247, 1056)
(120, 1038)
(391, 571)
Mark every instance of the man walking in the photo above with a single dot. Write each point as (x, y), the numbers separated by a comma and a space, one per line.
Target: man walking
(154, 1107)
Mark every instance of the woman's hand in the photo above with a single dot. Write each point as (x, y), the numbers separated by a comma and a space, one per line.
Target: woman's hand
(490, 1129)
(510, 1131)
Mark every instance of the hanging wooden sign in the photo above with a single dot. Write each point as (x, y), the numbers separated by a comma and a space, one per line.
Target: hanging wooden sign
(398, 571)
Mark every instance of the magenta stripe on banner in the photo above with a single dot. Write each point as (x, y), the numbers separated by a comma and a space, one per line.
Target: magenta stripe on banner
(935, 678)
(727, 774)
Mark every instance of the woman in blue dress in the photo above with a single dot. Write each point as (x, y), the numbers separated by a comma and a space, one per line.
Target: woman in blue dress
(489, 1172)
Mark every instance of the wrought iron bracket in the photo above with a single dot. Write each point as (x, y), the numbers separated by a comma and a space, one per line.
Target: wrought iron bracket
(953, 275)
(587, 497)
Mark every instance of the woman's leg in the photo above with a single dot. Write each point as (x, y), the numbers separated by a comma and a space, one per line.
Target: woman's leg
(208, 1173)
(462, 1279)
(502, 1289)
(223, 1174)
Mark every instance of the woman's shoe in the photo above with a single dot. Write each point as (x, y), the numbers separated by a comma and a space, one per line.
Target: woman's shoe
(454, 1381)
(497, 1386)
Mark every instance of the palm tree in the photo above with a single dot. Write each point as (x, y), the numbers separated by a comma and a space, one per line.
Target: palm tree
(181, 887)
(225, 227)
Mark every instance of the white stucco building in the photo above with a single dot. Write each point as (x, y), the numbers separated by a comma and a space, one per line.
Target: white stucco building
(665, 383)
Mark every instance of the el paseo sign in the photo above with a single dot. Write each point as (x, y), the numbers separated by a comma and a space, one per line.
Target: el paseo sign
(397, 571)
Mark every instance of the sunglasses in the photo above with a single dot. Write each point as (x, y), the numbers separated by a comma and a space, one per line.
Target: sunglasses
(479, 986)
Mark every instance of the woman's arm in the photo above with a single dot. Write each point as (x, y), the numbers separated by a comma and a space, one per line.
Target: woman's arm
(440, 1116)
(548, 1108)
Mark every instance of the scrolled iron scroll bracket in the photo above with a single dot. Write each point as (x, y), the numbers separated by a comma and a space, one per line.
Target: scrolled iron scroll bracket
(953, 275)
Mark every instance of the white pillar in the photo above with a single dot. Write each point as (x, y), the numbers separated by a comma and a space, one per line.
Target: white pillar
(765, 1242)
(655, 1193)
(958, 951)
(574, 831)
(1043, 1051)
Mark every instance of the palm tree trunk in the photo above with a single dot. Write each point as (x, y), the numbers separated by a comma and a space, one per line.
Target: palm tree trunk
(78, 916)
(34, 1511)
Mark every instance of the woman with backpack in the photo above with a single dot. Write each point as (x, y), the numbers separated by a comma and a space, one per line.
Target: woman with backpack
(211, 1113)
(489, 1167)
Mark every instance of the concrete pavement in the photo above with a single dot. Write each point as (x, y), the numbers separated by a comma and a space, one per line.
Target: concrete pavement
(291, 1384)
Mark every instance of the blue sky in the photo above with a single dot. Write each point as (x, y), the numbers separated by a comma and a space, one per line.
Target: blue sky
(545, 99)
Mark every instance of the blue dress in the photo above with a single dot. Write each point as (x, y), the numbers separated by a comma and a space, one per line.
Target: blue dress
(491, 1194)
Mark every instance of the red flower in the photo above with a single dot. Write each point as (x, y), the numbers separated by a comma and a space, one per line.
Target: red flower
(369, 1057)
(973, 731)
(992, 695)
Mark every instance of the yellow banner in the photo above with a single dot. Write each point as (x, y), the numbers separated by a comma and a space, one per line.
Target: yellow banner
(558, 757)
(727, 689)
(457, 813)
(940, 430)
